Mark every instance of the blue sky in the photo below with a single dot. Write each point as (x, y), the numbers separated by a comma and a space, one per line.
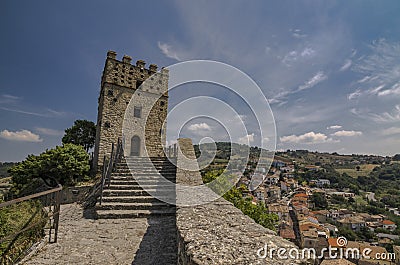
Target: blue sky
(330, 69)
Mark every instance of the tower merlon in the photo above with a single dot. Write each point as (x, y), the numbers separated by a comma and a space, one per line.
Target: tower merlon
(153, 68)
(111, 54)
(140, 64)
(127, 59)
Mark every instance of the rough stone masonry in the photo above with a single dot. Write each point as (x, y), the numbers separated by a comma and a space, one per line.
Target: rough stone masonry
(122, 82)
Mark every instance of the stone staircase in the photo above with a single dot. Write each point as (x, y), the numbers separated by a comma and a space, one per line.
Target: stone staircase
(135, 185)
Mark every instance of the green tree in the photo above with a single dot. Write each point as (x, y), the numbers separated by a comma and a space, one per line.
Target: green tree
(66, 164)
(82, 133)
(319, 201)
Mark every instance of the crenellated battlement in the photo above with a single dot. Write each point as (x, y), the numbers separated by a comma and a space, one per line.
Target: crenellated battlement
(125, 74)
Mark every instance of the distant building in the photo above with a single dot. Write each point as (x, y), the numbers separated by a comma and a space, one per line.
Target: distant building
(321, 182)
(280, 209)
(355, 223)
(389, 225)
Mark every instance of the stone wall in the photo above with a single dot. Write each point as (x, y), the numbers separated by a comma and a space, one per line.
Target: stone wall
(74, 194)
(218, 232)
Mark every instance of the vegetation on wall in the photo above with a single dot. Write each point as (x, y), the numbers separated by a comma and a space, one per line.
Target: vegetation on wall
(258, 212)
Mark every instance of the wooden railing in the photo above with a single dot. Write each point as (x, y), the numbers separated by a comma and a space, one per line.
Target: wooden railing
(47, 203)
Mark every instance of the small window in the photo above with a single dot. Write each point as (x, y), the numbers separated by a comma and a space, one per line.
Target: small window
(137, 112)
(110, 93)
(162, 103)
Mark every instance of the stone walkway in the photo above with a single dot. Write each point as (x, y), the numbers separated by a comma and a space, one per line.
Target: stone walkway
(109, 241)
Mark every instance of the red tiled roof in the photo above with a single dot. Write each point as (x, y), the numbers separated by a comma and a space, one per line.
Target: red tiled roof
(301, 195)
(387, 222)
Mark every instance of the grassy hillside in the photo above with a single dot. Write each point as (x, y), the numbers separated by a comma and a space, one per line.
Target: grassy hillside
(364, 170)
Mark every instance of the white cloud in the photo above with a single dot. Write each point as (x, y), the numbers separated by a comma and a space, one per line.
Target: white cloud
(381, 68)
(346, 65)
(166, 49)
(347, 133)
(8, 99)
(391, 131)
(395, 90)
(248, 139)
(355, 94)
(394, 116)
(318, 78)
(22, 136)
(307, 138)
(50, 132)
(334, 127)
(294, 55)
(307, 52)
(199, 126)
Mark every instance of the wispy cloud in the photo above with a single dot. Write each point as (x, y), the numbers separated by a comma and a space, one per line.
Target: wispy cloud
(313, 81)
(354, 95)
(21, 136)
(9, 99)
(307, 138)
(346, 133)
(50, 132)
(391, 131)
(381, 68)
(49, 113)
(166, 49)
(385, 117)
(394, 90)
(297, 55)
(393, 116)
(334, 127)
(346, 65)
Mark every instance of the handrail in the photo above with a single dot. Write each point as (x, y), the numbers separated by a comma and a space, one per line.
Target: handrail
(108, 168)
(29, 197)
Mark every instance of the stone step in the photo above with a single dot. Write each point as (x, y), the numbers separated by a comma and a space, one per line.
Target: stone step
(126, 171)
(142, 179)
(133, 206)
(122, 199)
(132, 182)
(145, 164)
(139, 187)
(161, 192)
(126, 214)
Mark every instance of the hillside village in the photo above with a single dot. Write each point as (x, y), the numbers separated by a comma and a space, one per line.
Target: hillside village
(314, 209)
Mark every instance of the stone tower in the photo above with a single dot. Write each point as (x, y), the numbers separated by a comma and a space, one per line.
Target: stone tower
(146, 115)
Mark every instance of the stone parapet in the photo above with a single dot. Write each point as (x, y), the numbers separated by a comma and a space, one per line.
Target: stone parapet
(218, 232)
